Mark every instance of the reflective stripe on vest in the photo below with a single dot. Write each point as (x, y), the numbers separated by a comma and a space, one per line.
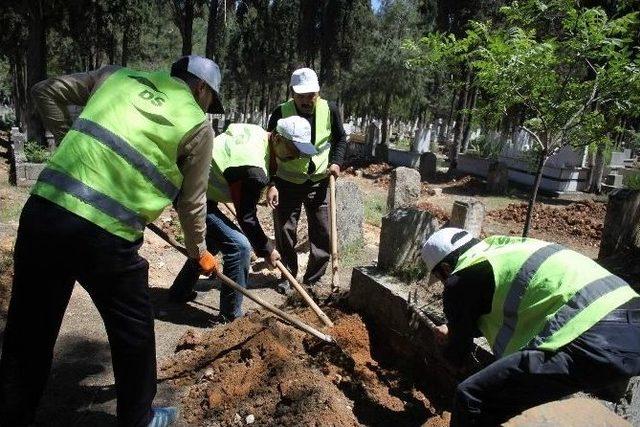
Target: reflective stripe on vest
(127, 152)
(296, 170)
(545, 295)
(116, 167)
(92, 197)
(241, 144)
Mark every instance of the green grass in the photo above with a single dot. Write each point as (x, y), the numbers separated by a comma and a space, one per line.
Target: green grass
(36, 153)
(352, 254)
(633, 182)
(375, 207)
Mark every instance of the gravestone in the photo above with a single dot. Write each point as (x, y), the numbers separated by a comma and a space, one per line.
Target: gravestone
(372, 139)
(621, 230)
(469, 215)
(401, 237)
(421, 142)
(349, 213)
(614, 180)
(428, 163)
(404, 188)
(498, 178)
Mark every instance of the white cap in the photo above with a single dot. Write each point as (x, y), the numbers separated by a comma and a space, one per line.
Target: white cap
(304, 80)
(298, 131)
(442, 243)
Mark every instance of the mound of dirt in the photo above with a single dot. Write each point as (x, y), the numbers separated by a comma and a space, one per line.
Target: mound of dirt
(378, 172)
(260, 367)
(582, 220)
(434, 210)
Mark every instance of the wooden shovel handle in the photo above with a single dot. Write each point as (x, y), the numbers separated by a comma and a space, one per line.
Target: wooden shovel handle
(304, 294)
(334, 233)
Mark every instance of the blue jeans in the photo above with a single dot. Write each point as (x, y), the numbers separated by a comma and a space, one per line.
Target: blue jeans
(222, 236)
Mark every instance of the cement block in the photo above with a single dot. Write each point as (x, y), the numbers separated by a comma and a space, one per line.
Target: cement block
(469, 215)
(382, 300)
(402, 234)
(573, 412)
(498, 178)
(404, 188)
(621, 230)
(349, 213)
(32, 170)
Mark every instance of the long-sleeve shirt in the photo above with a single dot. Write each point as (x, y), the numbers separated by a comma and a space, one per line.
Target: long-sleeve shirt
(467, 296)
(246, 184)
(338, 139)
(52, 96)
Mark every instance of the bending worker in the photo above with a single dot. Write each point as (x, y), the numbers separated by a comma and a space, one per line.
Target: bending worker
(557, 322)
(141, 141)
(243, 157)
(305, 180)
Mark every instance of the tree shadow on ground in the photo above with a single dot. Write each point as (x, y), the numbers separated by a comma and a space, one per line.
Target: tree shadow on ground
(67, 400)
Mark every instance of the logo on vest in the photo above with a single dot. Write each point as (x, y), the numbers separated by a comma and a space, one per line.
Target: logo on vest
(155, 99)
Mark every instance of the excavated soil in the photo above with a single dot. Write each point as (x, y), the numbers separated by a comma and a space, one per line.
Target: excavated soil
(261, 368)
(582, 221)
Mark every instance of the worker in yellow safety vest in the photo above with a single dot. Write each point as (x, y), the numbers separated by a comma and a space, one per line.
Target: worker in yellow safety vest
(556, 321)
(244, 157)
(304, 181)
(141, 143)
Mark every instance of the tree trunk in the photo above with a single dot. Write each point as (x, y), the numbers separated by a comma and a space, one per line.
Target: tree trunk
(125, 46)
(454, 148)
(210, 49)
(36, 65)
(187, 27)
(467, 128)
(597, 171)
(534, 193)
(382, 151)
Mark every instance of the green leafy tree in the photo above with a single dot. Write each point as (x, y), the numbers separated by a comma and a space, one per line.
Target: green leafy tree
(566, 69)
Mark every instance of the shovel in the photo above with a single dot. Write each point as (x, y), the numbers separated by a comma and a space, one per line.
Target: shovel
(335, 286)
(325, 319)
(292, 320)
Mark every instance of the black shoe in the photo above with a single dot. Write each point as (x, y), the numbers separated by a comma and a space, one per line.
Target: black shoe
(283, 287)
(182, 298)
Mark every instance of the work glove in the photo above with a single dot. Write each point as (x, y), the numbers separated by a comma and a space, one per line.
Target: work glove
(273, 257)
(208, 264)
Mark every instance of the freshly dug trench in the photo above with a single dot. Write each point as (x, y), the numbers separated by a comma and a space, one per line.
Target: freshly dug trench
(259, 366)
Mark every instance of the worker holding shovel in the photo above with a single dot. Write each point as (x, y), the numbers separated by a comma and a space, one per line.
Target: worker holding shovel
(141, 143)
(244, 157)
(557, 322)
(305, 181)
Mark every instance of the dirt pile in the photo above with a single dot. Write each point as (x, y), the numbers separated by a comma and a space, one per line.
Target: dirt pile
(434, 210)
(260, 368)
(582, 220)
(379, 173)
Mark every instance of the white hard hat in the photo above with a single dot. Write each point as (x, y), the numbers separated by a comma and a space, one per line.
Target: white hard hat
(298, 131)
(304, 80)
(442, 243)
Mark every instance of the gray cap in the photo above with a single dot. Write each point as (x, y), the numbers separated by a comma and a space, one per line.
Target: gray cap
(205, 69)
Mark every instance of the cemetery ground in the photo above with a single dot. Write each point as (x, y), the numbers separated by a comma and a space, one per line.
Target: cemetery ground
(258, 369)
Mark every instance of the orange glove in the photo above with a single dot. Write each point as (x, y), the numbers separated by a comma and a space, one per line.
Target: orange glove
(208, 263)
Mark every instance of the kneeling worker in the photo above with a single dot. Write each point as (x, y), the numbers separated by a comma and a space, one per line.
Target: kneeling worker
(557, 322)
(242, 160)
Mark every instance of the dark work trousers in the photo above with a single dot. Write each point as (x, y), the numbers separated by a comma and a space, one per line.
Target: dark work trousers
(54, 249)
(315, 198)
(606, 354)
(222, 236)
